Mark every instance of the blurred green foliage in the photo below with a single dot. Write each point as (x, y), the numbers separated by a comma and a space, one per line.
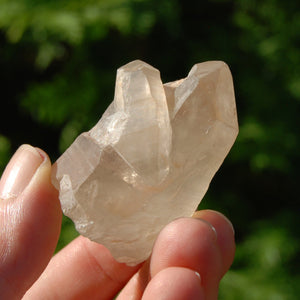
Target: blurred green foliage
(57, 72)
(264, 263)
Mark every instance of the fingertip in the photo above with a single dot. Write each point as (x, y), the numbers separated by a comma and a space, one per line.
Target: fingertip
(204, 244)
(185, 242)
(225, 234)
(175, 283)
(19, 172)
(209, 213)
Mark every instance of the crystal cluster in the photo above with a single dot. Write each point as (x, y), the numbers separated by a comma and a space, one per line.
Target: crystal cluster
(150, 158)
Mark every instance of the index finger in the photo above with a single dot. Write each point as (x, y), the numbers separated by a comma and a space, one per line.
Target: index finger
(82, 270)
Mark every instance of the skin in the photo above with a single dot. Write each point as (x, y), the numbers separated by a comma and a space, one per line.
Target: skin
(189, 257)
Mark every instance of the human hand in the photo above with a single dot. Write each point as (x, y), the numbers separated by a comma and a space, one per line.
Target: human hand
(189, 257)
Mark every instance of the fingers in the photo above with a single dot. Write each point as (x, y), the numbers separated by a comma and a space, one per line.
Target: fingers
(197, 244)
(184, 247)
(204, 245)
(30, 218)
(88, 272)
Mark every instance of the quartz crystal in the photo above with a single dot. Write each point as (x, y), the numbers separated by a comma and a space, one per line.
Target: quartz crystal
(150, 158)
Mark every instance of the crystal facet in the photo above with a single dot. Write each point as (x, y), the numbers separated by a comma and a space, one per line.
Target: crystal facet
(150, 158)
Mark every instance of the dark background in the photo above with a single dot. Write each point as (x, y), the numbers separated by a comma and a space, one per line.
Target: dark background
(57, 70)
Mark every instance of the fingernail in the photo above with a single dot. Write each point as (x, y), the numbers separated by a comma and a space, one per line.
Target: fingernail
(198, 275)
(19, 171)
(228, 221)
(211, 226)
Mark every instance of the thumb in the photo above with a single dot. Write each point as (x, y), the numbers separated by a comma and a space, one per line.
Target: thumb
(30, 219)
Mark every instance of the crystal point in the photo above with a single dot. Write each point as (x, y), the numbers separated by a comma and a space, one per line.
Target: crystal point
(150, 158)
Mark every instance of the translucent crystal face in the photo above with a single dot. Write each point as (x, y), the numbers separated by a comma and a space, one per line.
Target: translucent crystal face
(150, 158)
(145, 142)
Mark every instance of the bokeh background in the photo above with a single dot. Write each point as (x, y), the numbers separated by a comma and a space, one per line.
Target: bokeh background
(58, 62)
